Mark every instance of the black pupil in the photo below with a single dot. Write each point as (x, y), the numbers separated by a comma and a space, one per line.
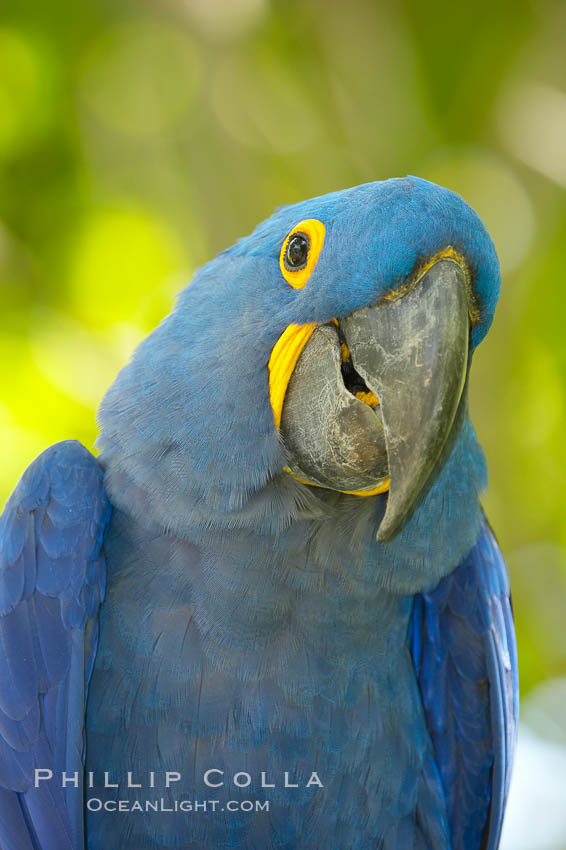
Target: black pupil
(297, 250)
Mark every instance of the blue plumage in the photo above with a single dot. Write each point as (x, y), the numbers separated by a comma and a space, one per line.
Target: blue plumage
(463, 649)
(253, 623)
(51, 584)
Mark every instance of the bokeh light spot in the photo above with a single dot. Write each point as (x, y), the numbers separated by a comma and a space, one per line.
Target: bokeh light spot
(120, 259)
(141, 78)
(81, 362)
(33, 413)
(263, 105)
(491, 187)
(24, 91)
(24, 445)
(225, 18)
(532, 125)
(536, 811)
(541, 381)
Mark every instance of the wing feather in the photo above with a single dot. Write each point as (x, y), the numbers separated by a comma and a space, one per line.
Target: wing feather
(52, 574)
(463, 646)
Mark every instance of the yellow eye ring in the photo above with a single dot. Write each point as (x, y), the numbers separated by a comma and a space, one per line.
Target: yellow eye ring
(301, 249)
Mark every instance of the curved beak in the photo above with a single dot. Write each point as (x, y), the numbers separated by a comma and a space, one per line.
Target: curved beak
(412, 352)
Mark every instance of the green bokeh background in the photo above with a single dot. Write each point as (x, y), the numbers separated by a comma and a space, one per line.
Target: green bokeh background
(138, 139)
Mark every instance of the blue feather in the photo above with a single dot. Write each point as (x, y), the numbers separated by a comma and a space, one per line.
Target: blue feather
(467, 673)
(50, 583)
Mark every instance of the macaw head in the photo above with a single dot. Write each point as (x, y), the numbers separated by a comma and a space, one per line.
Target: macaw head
(329, 348)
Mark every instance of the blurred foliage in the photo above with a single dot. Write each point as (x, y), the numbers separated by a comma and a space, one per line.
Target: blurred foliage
(137, 139)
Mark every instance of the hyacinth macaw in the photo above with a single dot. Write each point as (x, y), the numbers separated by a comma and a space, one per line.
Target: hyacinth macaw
(278, 567)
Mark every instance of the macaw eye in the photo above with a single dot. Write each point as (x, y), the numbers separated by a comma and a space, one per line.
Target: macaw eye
(297, 252)
(300, 252)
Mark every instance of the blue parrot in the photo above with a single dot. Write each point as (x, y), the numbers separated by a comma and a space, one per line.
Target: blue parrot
(271, 613)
